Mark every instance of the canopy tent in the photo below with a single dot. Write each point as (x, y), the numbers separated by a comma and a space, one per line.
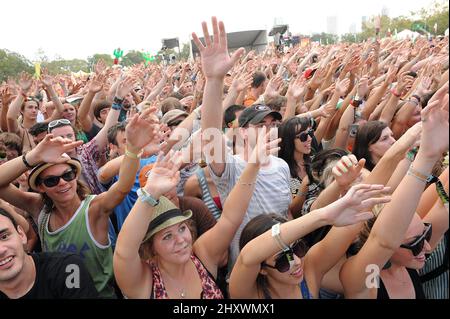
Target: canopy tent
(446, 33)
(170, 43)
(250, 40)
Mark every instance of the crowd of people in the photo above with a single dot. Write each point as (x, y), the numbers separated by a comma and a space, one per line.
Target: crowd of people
(317, 171)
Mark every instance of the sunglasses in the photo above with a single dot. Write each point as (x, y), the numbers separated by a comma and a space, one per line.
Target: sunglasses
(55, 123)
(285, 261)
(303, 136)
(52, 181)
(416, 246)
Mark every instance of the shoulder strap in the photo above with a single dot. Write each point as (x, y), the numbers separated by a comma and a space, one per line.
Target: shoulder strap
(442, 267)
(43, 221)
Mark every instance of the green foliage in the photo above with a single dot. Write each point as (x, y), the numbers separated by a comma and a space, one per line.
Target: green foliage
(325, 38)
(12, 64)
(66, 66)
(92, 60)
(132, 58)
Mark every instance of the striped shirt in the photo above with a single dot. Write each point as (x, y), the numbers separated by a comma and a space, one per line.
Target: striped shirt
(272, 193)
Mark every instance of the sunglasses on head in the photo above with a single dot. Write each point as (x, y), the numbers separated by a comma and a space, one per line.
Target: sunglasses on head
(416, 246)
(52, 181)
(303, 136)
(285, 260)
(55, 123)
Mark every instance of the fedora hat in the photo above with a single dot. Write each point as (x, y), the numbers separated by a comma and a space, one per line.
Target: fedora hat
(165, 215)
(33, 181)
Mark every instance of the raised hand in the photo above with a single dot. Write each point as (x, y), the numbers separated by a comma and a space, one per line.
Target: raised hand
(242, 82)
(265, 146)
(165, 174)
(347, 170)
(216, 61)
(100, 67)
(46, 79)
(52, 150)
(297, 88)
(356, 205)
(363, 87)
(96, 83)
(273, 86)
(435, 140)
(25, 82)
(342, 86)
(125, 87)
(142, 129)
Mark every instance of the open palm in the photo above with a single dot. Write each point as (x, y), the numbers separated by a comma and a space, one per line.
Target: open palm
(165, 174)
(216, 61)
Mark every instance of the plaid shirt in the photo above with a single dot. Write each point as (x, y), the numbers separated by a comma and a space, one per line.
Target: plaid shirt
(89, 155)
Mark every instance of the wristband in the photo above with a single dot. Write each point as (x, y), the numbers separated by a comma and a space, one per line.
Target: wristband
(25, 97)
(118, 100)
(417, 97)
(421, 177)
(116, 106)
(276, 235)
(441, 192)
(26, 162)
(132, 155)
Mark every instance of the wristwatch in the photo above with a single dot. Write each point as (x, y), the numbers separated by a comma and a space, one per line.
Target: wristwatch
(118, 100)
(276, 236)
(147, 198)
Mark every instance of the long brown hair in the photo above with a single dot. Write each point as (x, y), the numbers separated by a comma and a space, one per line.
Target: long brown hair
(256, 227)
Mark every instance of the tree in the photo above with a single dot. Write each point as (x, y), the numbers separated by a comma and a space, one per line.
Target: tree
(92, 60)
(185, 52)
(325, 38)
(12, 64)
(66, 66)
(132, 57)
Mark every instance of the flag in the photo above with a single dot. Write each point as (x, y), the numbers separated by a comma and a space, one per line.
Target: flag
(37, 70)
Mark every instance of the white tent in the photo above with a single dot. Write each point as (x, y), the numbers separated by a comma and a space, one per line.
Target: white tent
(446, 33)
(407, 34)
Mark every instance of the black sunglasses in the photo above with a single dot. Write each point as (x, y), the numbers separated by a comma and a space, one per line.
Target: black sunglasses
(285, 260)
(52, 181)
(303, 136)
(416, 246)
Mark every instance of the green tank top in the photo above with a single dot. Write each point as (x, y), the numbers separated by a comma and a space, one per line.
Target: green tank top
(76, 237)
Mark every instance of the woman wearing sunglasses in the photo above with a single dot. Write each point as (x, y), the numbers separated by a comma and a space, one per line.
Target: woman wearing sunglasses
(295, 148)
(178, 267)
(394, 245)
(70, 220)
(275, 262)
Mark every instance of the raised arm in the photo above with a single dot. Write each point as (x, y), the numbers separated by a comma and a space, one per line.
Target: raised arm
(48, 82)
(86, 113)
(216, 62)
(352, 208)
(211, 246)
(25, 83)
(391, 225)
(133, 274)
(140, 131)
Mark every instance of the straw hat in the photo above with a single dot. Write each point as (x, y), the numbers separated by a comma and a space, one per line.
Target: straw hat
(35, 172)
(165, 215)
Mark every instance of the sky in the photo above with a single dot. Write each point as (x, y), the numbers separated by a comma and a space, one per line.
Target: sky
(81, 28)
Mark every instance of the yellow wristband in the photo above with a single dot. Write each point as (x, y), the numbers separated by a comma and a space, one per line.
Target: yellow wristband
(132, 155)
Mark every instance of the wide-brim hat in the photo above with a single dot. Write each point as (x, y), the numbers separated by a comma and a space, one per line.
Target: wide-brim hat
(165, 215)
(35, 172)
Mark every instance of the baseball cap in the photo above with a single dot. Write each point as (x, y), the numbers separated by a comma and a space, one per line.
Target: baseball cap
(255, 114)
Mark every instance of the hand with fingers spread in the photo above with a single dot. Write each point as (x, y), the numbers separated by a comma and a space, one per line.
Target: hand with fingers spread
(242, 82)
(342, 86)
(273, 86)
(125, 88)
(266, 145)
(164, 175)
(52, 150)
(25, 82)
(347, 170)
(363, 87)
(297, 88)
(96, 83)
(435, 117)
(141, 130)
(216, 61)
(356, 205)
